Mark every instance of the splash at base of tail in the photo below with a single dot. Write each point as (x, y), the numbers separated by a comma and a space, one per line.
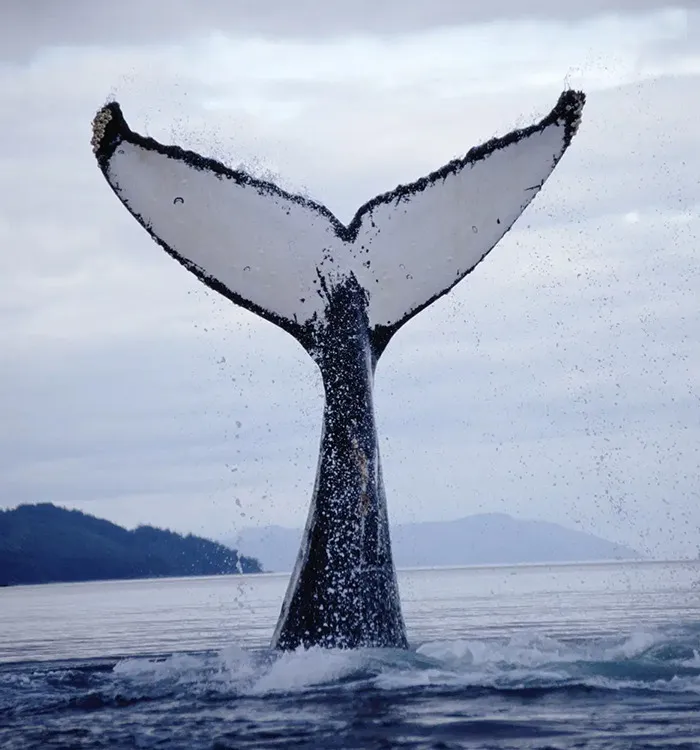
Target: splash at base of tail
(342, 291)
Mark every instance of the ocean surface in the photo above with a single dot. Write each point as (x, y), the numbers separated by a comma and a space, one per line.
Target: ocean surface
(571, 656)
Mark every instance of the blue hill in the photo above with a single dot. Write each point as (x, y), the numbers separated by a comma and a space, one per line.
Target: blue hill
(44, 543)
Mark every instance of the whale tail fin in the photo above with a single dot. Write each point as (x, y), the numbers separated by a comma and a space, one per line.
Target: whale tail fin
(280, 255)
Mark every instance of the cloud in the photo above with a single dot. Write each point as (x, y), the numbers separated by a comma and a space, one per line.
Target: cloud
(27, 28)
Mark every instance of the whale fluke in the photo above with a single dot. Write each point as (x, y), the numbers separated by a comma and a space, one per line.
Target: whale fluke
(342, 291)
(278, 254)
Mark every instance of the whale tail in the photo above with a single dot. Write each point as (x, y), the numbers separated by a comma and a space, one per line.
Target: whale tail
(281, 255)
(342, 291)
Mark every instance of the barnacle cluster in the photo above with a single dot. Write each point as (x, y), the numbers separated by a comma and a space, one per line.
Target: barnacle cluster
(99, 125)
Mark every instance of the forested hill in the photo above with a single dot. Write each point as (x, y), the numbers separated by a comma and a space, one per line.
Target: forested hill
(44, 543)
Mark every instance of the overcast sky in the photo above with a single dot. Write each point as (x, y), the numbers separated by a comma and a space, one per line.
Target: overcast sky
(559, 381)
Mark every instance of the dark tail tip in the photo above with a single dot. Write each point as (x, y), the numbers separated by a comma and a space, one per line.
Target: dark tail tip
(108, 130)
(568, 111)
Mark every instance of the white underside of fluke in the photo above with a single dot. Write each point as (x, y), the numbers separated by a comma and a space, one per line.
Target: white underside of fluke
(263, 247)
(277, 251)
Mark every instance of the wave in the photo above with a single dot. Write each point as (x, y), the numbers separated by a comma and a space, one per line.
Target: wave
(526, 665)
(661, 660)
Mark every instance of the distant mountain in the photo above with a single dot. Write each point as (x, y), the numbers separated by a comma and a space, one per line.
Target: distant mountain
(485, 539)
(43, 543)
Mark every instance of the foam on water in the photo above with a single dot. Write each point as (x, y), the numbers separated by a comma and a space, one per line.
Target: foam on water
(643, 660)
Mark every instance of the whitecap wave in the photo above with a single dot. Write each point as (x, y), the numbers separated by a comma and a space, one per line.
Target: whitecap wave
(641, 660)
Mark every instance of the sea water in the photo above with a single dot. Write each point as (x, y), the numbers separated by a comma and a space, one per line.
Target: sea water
(571, 656)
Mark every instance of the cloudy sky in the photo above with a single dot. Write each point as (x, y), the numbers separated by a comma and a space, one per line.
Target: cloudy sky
(559, 381)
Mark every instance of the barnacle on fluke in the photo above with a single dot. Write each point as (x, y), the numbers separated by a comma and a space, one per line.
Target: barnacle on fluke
(99, 126)
(342, 291)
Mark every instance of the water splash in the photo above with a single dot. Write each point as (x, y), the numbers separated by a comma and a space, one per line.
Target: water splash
(661, 660)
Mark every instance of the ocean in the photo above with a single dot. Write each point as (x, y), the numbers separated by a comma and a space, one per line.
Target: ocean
(553, 656)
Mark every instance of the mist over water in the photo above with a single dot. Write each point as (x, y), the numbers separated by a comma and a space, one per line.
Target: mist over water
(604, 655)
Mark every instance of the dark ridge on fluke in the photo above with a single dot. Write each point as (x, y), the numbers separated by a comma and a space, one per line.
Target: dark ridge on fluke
(46, 544)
